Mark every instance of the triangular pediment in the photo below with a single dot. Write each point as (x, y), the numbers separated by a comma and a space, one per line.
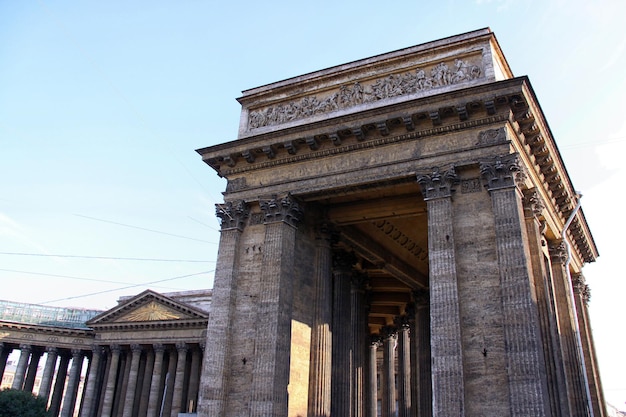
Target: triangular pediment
(148, 307)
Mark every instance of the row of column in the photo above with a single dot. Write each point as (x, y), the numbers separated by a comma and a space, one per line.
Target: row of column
(144, 381)
(136, 380)
(58, 387)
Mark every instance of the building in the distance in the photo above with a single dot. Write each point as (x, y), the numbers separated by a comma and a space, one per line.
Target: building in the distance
(399, 237)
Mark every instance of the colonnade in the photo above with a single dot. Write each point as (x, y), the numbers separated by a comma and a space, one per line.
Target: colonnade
(138, 380)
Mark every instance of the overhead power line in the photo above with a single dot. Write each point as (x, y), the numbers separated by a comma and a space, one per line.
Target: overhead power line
(128, 287)
(104, 257)
(144, 229)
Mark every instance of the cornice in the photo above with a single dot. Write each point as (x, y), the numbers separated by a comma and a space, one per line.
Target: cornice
(33, 328)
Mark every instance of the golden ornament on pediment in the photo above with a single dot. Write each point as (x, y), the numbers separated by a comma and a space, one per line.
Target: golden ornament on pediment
(151, 312)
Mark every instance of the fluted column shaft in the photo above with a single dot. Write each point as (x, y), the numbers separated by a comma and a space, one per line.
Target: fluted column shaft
(421, 381)
(48, 372)
(388, 384)
(360, 337)
(154, 403)
(145, 384)
(321, 346)
(59, 386)
(270, 367)
(214, 385)
(107, 405)
(564, 307)
(5, 351)
(445, 325)
(533, 207)
(69, 399)
(341, 392)
(177, 397)
(528, 393)
(31, 373)
(581, 300)
(404, 369)
(373, 378)
(89, 406)
(131, 387)
(194, 380)
(22, 364)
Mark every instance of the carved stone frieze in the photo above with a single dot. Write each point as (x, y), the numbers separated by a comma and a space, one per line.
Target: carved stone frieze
(284, 209)
(491, 137)
(502, 172)
(437, 184)
(232, 215)
(350, 95)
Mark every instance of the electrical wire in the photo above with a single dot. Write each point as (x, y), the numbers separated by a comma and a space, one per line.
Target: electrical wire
(116, 258)
(127, 287)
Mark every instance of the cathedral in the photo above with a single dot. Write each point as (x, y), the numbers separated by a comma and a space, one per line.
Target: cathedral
(399, 237)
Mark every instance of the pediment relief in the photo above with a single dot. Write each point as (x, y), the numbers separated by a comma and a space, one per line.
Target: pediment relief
(147, 307)
(150, 312)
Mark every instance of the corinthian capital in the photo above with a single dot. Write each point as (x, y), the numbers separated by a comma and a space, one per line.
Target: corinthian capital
(232, 215)
(437, 184)
(502, 172)
(533, 204)
(558, 251)
(284, 209)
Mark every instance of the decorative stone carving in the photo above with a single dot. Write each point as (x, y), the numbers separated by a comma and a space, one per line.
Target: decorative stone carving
(581, 288)
(503, 172)
(437, 184)
(401, 239)
(470, 185)
(491, 137)
(284, 209)
(533, 204)
(232, 215)
(393, 85)
(149, 312)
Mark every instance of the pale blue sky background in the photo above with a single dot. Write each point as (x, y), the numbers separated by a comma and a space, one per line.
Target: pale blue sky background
(102, 104)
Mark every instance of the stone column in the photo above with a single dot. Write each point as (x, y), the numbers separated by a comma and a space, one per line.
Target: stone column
(145, 383)
(48, 372)
(563, 304)
(154, 403)
(525, 364)
(360, 337)
(131, 387)
(582, 294)
(214, 384)
(404, 368)
(59, 386)
(69, 399)
(321, 346)
(22, 364)
(341, 392)
(5, 351)
(270, 374)
(388, 382)
(31, 373)
(89, 400)
(107, 404)
(533, 207)
(194, 380)
(177, 397)
(421, 381)
(375, 343)
(445, 325)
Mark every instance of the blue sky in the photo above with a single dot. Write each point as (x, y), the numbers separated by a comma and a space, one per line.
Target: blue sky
(102, 105)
